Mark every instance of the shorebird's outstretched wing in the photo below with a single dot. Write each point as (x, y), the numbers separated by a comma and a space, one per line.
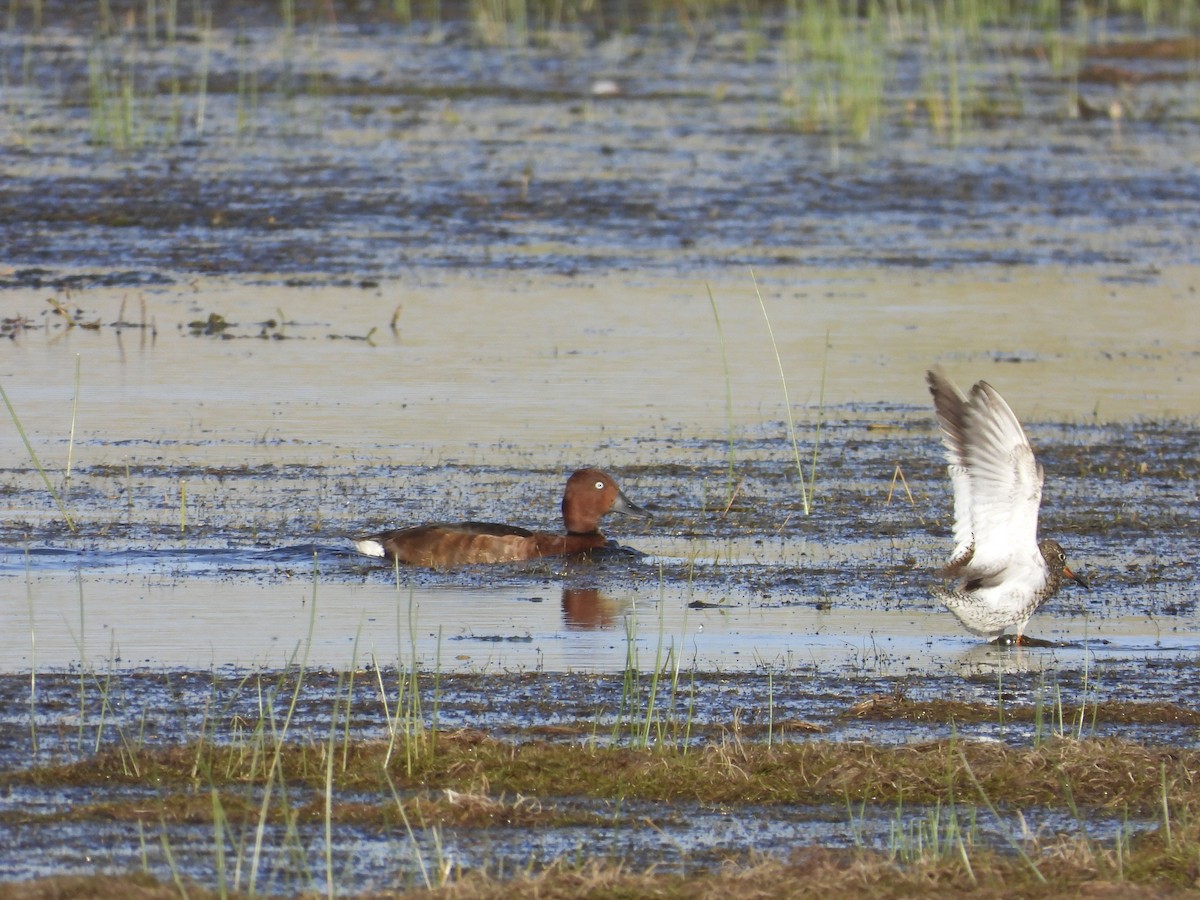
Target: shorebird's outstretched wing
(997, 482)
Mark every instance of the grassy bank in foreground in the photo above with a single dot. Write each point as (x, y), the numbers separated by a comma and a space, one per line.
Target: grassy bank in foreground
(812, 873)
(941, 791)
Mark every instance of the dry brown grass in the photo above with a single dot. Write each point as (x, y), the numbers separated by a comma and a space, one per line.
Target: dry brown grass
(467, 779)
(897, 707)
(1071, 868)
(1096, 773)
(86, 887)
(817, 872)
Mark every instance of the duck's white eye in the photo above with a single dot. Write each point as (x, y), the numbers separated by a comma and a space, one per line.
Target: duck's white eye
(599, 485)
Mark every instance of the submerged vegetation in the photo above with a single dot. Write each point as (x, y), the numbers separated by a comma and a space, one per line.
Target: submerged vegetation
(164, 72)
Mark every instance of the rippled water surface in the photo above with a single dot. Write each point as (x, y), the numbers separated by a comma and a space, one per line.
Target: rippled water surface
(372, 275)
(217, 481)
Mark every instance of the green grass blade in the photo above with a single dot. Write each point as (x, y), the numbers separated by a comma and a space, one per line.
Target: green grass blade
(787, 402)
(728, 392)
(36, 462)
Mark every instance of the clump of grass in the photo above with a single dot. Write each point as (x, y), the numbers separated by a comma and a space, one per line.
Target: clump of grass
(837, 67)
(132, 103)
(263, 786)
(404, 717)
(501, 22)
(1108, 773)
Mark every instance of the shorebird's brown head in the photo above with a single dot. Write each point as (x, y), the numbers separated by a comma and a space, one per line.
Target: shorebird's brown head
(1056, 559)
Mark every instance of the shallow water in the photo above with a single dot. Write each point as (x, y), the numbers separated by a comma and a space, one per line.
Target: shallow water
(209, 476)
(450, 276)
(278, 450)
(683, 838)
(364, 150)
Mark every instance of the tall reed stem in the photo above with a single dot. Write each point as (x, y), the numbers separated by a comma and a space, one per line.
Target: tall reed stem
(787, 402)
(728, 392)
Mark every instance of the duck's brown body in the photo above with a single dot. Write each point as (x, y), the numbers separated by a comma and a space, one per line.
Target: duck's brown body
(442, 546)
(589, 495)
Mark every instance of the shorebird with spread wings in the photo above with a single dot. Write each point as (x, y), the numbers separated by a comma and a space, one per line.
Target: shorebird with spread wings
(1003, 573)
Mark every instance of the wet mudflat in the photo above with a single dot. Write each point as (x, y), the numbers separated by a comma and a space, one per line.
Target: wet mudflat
(211, 566)
(362, 275)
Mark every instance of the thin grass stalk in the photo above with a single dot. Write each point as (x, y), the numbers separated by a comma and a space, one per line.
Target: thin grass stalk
(142, 848)
(676, 659)
(71, 439)
(33, 736)
(786, 399)
(82, 665)
(1166, 807)
(770, 706)
(658, 664)
(392, 721)
(219, 826)
(1000, 697)
(437, 693)
(350, 696)
(206, 734)
(1058, 707)
(629, 684)
(331, 752)
(812, 472)
(176, 877)
(960, 844)
(409, 830)
(413, 721)
(1122, 848)
(98, 92)
(728, 391)
(1038, 715)
(128, 747)
(1083, 695)
(955, 90)
(1012, 842)
(898, 475)
(855, 820)
(1068, 796)
(280, 736)
(36, 462)
(104, 688)
(251, 771)
(202, 87)
(247, 94)
(691, 716)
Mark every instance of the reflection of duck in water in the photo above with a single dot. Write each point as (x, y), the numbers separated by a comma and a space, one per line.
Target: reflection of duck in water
(589, 495)
(585, 609)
